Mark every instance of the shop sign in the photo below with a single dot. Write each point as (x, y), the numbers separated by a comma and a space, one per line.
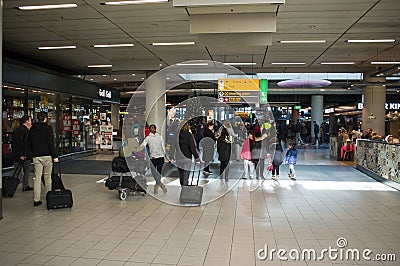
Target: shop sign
(104, 93)
(106, 137)
(76, 131)
(66, 123)
(388, 106)
(329, 110)
(263, 91)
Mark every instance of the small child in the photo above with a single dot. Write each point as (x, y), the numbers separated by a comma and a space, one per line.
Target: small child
(291, 159)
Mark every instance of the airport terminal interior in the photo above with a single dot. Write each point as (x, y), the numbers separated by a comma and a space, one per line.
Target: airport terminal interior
(322, 77)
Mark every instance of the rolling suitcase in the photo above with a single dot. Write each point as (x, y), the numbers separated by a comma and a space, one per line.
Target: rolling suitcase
(192, 194)
(59, 197)
(10, 183)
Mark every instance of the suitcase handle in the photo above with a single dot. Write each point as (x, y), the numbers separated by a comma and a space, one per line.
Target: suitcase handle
(59, 168)
(198, 175)
(18, 168)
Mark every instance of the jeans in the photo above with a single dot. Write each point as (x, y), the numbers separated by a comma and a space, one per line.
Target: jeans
(298, 139)
(259, 165)
(43, 165)
(156, 167)
(26, 167)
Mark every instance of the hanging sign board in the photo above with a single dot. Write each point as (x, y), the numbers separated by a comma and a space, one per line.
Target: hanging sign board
(263, 91)
(238, 90)
(106, 137)
(66, 123)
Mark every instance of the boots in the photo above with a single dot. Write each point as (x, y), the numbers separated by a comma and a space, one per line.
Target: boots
(163, 187)
(155, 189)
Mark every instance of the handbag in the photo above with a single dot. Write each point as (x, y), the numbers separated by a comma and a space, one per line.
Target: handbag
(271, 167)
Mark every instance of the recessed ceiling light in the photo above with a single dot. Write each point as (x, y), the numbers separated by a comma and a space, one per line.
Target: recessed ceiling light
(99, 65)
(337, 63)
(133, 74)
(385, 62)
(47, 6)
(192, 64)
(304, 41)
(115, 78)
(142, 78)
(368, 41)
(90, 79)
(240, 64)
(56, 47)
(104, 75)
(113, 45)
(132, 2)
(167, 78)
(287, 63)
(171, 43)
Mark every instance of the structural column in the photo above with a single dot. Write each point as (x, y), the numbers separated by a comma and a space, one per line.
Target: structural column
(317, 109)
(155, 102)
(374, 98)
(1, 98)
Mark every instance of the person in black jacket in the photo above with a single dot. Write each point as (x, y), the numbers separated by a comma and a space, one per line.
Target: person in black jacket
(224, 148)
(184, 152)
(41, 144)
(207, 143)
(19, 150)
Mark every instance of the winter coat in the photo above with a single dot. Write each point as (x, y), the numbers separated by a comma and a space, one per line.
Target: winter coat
(19, 142)
(207, 143)
(224, 148)
(187, 146)
(246, 153)
(41, 140)
(277, 159)
(291, 156)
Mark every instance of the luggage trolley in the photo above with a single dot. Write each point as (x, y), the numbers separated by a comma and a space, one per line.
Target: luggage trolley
(129, 182)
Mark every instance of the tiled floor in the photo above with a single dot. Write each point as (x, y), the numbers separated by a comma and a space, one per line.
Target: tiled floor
(330, 200)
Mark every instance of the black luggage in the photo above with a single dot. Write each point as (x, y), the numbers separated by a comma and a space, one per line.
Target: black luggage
(192, 194)
(58, 197)
(10, 183)
(126, 180)
(119, 165)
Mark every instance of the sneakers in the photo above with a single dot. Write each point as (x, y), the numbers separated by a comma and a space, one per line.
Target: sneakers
(293, 177)
(274, 178)
(245, 177)
(207, 173)
(37, 203)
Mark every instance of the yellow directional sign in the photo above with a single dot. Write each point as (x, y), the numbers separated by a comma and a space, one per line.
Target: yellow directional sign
(239, 84)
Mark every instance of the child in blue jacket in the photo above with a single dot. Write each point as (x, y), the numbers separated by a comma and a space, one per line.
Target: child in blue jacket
(291, 160)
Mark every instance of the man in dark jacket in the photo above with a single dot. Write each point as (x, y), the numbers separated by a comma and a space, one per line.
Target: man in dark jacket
(316, 133)
(184, 152)
(41, 144)
(19, 150)
(208, 143)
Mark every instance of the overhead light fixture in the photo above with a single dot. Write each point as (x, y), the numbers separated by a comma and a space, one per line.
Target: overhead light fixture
(99, 65)
(192, 64)
(287, 63)
(304, 41)
(133, 74)
(385, 62)
(172, 43)
(371, 41)
(113, 45)
(47, 7)
(115, 78)
(240, 64)
(133, 2)
(104, 75)
(371, 116)
(337, 63)
(56, 47)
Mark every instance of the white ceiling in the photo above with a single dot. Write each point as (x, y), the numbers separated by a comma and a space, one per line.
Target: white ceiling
(92, 23)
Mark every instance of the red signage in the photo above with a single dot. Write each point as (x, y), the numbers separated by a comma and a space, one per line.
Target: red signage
(66, 123)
